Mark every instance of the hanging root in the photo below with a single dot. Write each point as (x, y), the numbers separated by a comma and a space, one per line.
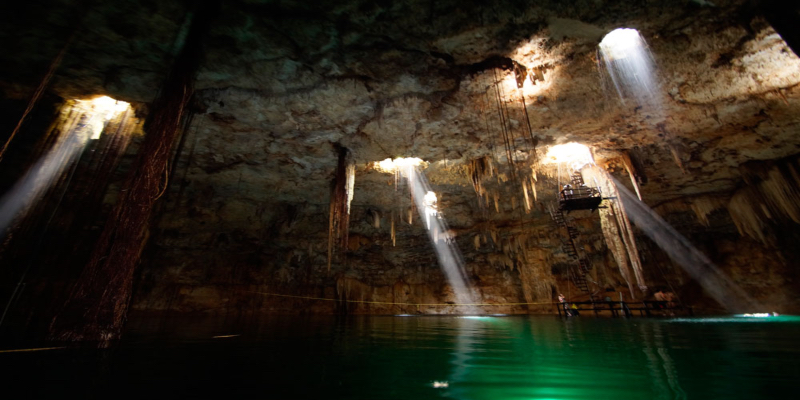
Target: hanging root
(97, 306)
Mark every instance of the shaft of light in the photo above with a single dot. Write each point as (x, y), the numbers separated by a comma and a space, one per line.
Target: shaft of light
(718, 285)
(41, 176)
(447, 252)
(79, 121)
(630, 65)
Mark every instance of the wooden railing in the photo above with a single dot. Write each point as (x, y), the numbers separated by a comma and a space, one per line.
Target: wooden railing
(647, 308)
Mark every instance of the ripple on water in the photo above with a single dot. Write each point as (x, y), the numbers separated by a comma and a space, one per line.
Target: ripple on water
(401, 358)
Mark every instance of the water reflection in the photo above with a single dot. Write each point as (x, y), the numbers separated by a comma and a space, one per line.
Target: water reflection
(581, 359)
(401, 358)
(662, 367)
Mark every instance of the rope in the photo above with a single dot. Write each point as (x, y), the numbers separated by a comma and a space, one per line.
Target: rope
(166, 181)
(400, 304)
(28, 350)
(37, 94)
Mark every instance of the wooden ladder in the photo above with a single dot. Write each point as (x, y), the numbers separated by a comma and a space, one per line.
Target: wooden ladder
(578, 273)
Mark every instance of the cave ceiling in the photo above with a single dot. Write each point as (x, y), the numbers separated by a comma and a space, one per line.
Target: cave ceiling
(282, 81)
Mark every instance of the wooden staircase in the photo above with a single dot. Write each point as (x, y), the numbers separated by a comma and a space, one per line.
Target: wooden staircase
(577, 273)
(579, 279)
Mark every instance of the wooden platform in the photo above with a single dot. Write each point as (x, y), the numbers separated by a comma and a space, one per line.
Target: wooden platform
(580, 198)
(626, 309)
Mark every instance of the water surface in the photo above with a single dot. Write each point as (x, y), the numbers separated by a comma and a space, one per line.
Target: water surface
(516, 357)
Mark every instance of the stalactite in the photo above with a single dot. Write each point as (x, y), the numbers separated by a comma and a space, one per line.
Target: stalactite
(622, 230)
(394, 237)
(97, 307)
(500, 260)
(341, 196)
(351, 181)
(771, 196)
(608, 223)
(477, 170)
(527, 199)
(749, 220)
(703, 206)
(629, 239)
(676, 157)
(375, 215)
(632, 172)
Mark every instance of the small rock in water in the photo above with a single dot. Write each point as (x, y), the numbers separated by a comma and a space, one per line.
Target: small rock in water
(439, 385)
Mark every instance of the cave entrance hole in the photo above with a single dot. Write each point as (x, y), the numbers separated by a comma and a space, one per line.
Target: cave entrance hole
(629, 63)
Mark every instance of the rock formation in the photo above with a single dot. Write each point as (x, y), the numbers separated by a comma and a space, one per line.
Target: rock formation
(284, 85)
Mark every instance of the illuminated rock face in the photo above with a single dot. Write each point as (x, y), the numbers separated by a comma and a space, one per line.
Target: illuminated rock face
(246, 210)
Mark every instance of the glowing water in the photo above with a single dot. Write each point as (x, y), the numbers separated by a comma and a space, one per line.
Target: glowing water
(630, 65)
(447, 252)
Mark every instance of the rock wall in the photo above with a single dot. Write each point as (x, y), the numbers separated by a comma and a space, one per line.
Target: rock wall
(259, 253)
(244, 218)
(213, 255)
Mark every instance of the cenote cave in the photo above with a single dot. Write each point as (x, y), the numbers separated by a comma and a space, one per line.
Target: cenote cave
(352, 199)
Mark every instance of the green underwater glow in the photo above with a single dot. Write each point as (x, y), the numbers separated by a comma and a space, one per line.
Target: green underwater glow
(477, 357)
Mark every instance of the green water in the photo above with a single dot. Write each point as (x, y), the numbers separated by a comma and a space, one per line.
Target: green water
(401, 358)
